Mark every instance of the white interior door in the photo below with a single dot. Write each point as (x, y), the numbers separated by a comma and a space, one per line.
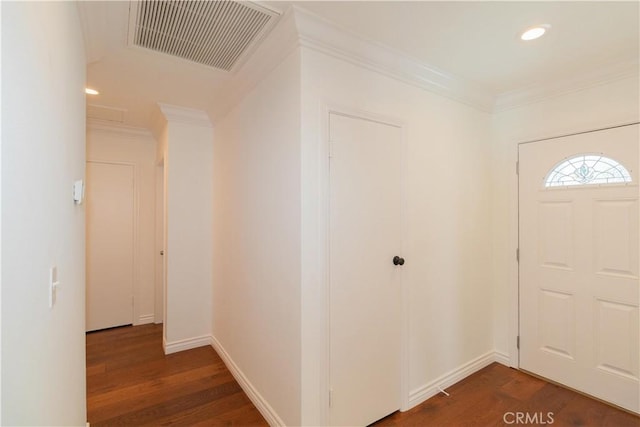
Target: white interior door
(365, 235)
(160, 253)
(110, 245)
(579, 263)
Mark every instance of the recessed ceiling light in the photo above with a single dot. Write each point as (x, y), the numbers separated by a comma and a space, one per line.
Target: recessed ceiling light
(90, 91)
(534, 32)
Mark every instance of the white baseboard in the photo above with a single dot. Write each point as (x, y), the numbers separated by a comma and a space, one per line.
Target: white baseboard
(186, 344)
(144, 319)
(502, 358)
(420, 394)
(260, 402)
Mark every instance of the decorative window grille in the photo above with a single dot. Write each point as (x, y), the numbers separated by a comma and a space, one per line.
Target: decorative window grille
(587, 169)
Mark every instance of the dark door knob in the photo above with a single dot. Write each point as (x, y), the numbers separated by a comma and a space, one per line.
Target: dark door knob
(397, 260)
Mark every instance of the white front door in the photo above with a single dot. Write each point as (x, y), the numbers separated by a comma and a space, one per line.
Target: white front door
(365, 288)
(110, 243)
(579, 262)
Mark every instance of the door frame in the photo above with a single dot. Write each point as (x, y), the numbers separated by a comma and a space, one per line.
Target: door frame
(514, 235)
(135, 312)
(324, 222)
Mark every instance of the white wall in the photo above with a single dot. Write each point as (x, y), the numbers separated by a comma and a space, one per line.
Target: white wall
(188, 164)
(109, 143)
(597, 107)
(43, 152)
(256, 287)
(447, 244)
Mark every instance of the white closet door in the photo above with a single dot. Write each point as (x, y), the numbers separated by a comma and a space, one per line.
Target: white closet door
(365, 235)
(110, 244)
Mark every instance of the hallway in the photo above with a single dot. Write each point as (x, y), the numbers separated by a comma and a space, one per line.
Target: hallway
(131, 382)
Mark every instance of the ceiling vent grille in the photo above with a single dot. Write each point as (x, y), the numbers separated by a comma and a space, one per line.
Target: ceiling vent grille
(218, 34)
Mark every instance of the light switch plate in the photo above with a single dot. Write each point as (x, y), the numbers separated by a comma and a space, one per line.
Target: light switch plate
(78, 192)
(53, 285)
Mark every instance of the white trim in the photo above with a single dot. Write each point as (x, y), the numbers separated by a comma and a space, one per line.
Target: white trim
(502, 358)
(189, 116)
(606, 126)
(96, 125)
(420, 394)
(185, 344)
(298, 27)
(144, 319)
(314, 32)
(324, 255)
(513, 245)
(254, 395)
(405, 318)
(593, 77)
(354, 113)
(327, 37)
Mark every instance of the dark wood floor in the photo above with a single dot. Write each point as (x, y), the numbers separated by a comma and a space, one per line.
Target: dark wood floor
(483, 399)
(130, 382)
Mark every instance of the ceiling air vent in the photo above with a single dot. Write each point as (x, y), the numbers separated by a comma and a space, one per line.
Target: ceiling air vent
(218, 34)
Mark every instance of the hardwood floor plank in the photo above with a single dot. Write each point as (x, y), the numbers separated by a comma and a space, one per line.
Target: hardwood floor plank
(486, 397)
(235, 417)
(175, 407)
(131, 382)
(164, 366)
(144, 400)
(212, 412)
(153, 386)
(522, 388)
(95, 369)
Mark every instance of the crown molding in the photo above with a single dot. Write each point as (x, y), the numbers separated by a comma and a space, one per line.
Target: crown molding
(95, 125)
(297, 27)
(594, 77)
(188, 116)
(324, 36)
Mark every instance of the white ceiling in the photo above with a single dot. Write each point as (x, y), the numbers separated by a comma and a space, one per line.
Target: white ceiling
(476, 41)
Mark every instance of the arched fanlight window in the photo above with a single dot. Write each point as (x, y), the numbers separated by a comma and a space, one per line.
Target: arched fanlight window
(587, 169)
